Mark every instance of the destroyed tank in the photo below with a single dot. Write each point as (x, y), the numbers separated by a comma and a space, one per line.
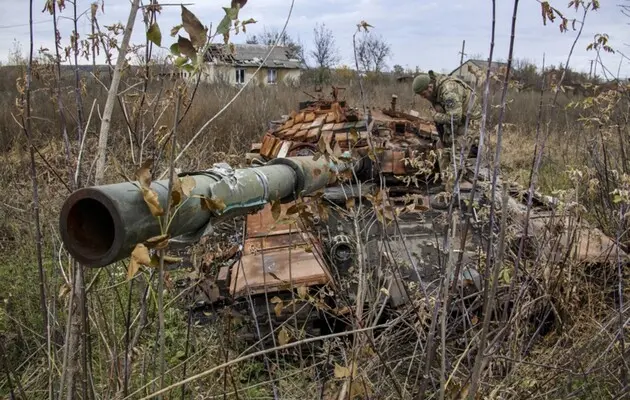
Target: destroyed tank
(333, 198)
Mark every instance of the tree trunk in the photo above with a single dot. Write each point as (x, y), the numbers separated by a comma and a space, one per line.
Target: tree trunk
(111, 96)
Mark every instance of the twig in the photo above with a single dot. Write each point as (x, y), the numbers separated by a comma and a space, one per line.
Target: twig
(36, 215)
(258, 354)
(479, 359)
(78, 168)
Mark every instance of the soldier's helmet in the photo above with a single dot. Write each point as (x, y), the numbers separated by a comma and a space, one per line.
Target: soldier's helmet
(421, 83)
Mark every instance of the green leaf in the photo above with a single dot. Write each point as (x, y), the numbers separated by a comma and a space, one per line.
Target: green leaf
(175, 49)
(186, 47)
(188, 68)
(179, 61)
(231, 12)
(224, 26)
(154, 34)
(194, 28)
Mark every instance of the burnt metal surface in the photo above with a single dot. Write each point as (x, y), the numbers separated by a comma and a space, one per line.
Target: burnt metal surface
(275, 257)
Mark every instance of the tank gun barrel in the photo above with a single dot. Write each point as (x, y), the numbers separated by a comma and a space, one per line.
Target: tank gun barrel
(102, 224)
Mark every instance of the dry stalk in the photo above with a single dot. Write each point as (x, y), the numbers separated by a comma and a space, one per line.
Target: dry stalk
(479, 360)
(254, 355)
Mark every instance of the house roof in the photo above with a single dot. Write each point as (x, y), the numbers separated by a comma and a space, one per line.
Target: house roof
(253, 55)
(483, 64)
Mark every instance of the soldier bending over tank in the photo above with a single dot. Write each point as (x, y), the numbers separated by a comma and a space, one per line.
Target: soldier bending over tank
(451, 98)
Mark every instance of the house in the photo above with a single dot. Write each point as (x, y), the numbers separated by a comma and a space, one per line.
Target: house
(474, 72)
(238, 63)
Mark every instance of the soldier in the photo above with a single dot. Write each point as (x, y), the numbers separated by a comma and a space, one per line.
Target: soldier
(450, 97)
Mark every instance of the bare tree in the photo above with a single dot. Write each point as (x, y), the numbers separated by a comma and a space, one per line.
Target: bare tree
(325, 54)
(372, 51)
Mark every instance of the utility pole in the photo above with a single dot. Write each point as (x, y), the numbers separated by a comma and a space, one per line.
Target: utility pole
(461, 59)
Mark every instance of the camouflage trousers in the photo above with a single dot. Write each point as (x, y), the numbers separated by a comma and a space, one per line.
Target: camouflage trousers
(460, 139)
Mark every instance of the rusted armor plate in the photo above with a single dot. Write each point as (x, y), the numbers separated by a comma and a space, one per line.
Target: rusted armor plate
(275, 257)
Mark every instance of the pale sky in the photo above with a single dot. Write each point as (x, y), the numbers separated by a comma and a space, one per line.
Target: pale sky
(422, 33)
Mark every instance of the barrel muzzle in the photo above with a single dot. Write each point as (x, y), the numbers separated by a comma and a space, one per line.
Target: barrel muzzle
(89, 220)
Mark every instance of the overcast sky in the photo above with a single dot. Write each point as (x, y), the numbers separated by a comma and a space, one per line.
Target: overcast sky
(422, 33)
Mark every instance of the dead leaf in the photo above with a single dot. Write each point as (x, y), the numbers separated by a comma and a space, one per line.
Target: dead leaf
(341, 372)
(302, 292)
(296, 208)
(168, 281)
(64, 290)
(354, 136)
(143, 174)
(278, 305)
(276, 209)
(283, 336)
(186, 47)
(350, 203)
(212, 204)
(363, 24)
(360, 388)
(151, 198)
(172, 259)
(139, 256)
(194, 28)
(158, 242)
(278, 309)
(155, 260)
(323, 211)
(188, 184)
(176, 191)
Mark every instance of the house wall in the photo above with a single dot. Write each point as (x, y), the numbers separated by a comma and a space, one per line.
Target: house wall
(227, 73)
(471, 77)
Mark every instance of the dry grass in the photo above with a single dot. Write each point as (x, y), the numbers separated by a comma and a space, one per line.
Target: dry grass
(577, 358)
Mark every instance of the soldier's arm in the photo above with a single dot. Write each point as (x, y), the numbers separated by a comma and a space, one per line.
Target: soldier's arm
(452, 106)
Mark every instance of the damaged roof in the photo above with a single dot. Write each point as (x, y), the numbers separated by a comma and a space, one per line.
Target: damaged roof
(253, 55)
(483, 64)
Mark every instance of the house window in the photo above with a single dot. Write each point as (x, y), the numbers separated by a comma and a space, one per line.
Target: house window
(240, 75)
(272, 75)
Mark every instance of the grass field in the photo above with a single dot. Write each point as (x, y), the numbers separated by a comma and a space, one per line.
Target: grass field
(583, 161)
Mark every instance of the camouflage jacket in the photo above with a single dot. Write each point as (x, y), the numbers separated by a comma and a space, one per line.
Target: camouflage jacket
(453, 95)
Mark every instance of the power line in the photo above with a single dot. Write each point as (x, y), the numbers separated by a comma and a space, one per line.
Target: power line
(20, 25)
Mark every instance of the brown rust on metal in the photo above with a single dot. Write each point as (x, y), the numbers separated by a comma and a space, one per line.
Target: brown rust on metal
(275, 257)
